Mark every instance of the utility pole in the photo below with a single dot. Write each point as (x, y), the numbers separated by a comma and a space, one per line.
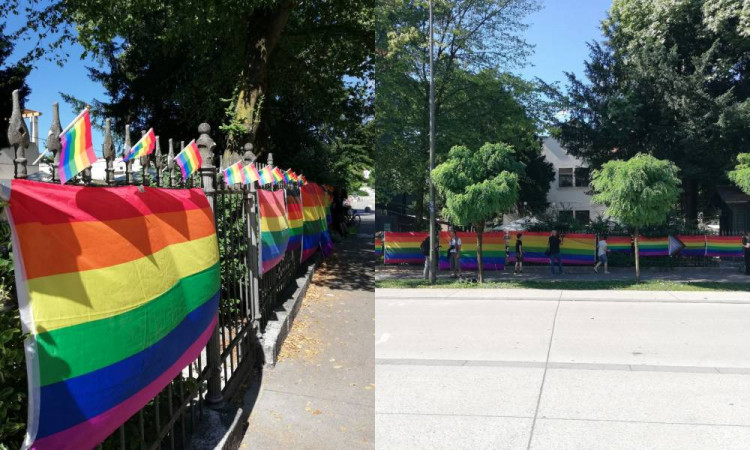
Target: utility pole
(433, 225)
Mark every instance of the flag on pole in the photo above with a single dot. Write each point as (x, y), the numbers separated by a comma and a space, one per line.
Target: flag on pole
(303, 180)
(144, 146)
(189, 159)
(251, 173)
(292, 176)
(278, 177)
(266, 177)
(235, 174)
(77, 151)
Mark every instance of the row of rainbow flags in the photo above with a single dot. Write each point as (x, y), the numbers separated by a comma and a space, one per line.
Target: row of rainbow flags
(576, 249)
(77, 154)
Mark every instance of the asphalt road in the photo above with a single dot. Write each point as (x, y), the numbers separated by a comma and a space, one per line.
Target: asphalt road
(520, 369)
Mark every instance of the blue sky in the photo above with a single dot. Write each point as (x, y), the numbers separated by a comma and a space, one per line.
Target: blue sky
(559, 32)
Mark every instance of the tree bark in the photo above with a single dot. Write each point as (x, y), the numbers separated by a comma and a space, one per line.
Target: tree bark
(263, 35)
(637, 263)
(480, 264)
(419, 209)
(690, 201)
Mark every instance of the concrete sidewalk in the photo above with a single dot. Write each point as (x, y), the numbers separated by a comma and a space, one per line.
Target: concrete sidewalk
(320, 395)
(551, 369)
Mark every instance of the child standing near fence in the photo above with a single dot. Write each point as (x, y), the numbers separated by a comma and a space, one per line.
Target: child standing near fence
(602, 254)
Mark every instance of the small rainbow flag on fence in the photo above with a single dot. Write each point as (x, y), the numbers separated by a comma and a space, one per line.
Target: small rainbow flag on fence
(648, 246)
(296, 220)
(274, 228)
(404, 248)
(278, 176)
(315, 233)
(292, 176)
(189, 160)
(144, 146)
(724, 246)
(620, 244)
(493, 250)
(692, 245)
(118, 289)
(251, 173)
(77, 151)
(235, 174)
(266, 177)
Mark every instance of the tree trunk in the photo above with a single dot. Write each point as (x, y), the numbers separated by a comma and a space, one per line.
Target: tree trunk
(480, 264)
(419, 208)
(263, 35)
(637, 263)
(690, 201)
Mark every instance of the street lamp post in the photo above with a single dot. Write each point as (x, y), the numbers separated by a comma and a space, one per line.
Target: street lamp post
(433, 236)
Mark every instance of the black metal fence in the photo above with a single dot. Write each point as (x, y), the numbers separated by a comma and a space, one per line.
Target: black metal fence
(247, 301)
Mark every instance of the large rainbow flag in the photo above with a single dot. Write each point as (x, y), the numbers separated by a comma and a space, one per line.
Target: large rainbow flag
(534, 246)
(576, 249)
(274, 228)
(77, 152)
(653, 246)
(620, 244)
(378, 248)
(403, 248)
(314, 228)
(118, 289)
(493, 250)
(724, 246)
(692, 245)
(296, 220)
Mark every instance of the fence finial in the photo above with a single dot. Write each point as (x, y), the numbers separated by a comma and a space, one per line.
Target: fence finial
(206, 145)
(125, 151)
(249, 156)
(18, 137)
(158, 162)
(269, 160)
(170, 163)
(53, 139)
(108, 151)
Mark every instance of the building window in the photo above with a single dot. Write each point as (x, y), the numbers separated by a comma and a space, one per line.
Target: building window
(583, 217)
(565, 215)
(565, 178)
(582, 176)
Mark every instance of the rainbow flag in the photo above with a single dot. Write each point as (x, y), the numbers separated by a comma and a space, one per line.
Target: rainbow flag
(77, 151)
(266, 176)
(303, 179)
(576, 249)
(189, 160)
(274, 228)
(278, 176)
(653, 246)
(292, 176)
(620, 244)
(235, 174)
(534, 246)
(692, 245)
(724, 246)
(314, 228)
(296, 220)
(144, 146)
(404, 248)
(493, 250)
(251, 173)
(118, 289)
(378, 248)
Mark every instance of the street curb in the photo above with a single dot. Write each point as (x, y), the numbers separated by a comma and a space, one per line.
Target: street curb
(277, 330)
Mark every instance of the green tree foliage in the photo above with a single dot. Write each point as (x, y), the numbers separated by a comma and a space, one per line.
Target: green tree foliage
(475, 101)
(638, 192)
(293, 78)
(741, 173)
(672, 79)
(478, 186)
(12, 77)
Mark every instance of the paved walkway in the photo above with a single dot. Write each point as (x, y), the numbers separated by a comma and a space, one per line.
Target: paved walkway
(320, 395)
(541, 273)
(551, 369)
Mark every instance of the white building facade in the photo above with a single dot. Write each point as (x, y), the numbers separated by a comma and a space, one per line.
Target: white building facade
(569, 192)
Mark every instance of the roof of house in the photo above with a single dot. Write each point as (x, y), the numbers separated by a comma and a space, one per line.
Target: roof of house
(731, 195)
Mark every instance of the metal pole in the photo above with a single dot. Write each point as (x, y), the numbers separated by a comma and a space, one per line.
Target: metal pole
(433, 236)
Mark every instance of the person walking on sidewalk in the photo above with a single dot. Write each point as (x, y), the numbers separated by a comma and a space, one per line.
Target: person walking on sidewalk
(519, 254)
(553, 252)
(746, 245)
(602, 254)
(425, 248)
(454, 253)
